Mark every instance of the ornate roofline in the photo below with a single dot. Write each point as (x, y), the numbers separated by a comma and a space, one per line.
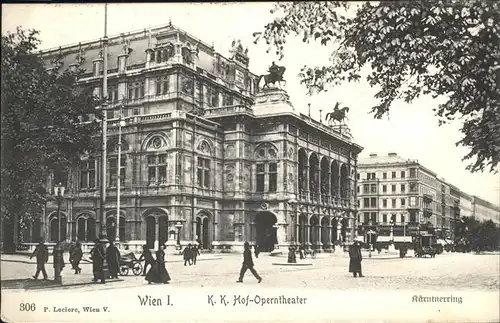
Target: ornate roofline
(119, 37)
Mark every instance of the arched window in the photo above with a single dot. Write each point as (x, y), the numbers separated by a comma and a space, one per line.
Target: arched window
(266, 168)
(85, 228)
(54, 228)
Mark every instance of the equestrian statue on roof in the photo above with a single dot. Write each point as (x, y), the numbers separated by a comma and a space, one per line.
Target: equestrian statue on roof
(275, 75)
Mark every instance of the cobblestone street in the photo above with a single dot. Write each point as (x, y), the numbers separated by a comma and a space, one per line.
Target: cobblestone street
(446, 271)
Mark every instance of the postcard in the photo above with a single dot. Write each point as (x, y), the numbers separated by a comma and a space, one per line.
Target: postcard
(250, 162)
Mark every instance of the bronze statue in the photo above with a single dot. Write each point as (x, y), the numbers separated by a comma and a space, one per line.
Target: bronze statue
(338, 114)
(275, 75)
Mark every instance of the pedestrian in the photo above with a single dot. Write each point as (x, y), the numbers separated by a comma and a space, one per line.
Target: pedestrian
(247, 264)
(195, 252)
(158, 272)
(355, 259)
(113, 259)
(97, 255)
(148, 258)
(257, 250)
(187, 252)
(71, 249)
(76, 256)
(41, 253)
(55, 256)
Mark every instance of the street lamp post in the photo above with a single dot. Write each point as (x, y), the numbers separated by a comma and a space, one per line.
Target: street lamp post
(178, 226)
(58, 251)
(121, 123)
(293, 214)
(370, 238)
(391, 237)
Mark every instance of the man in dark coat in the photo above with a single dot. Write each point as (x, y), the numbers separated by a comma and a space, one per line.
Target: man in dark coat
(188, 253)
(247, 264)
(42, 256)
(355, 259)
(195, 252)
(98, 254)
(76, 256)
(148, 258)
(113, 259)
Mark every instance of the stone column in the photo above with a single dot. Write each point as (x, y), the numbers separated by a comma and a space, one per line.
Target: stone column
(306, 178)
(157, 233)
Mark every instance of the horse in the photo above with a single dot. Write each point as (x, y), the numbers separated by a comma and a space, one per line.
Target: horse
(337, 114)
(271, 79)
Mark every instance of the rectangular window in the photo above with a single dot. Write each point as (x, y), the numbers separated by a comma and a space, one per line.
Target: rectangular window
(113, 171)
(261, 173)
(403, 202)
(157, 169)
(403, 174)
(366, 217)
(413, 187)
(357, 189)
(273, 177)
(384, 218)
(366, 202)
(384, 203)
(384, 188)
(403, 218)
(393, 203)
(359, 203)
(384, 175)
(88, 174)
(393, 174)
(358, 176)
(403, 188)
(393, 218)
(162, 169)
(165, 84)
(373, 188)
(203, 172)
(366, 188)
(413, 172)
(413, 216)
(413, 201)
(374, 217)
(158, 86)
(393, 188)
(373, 202)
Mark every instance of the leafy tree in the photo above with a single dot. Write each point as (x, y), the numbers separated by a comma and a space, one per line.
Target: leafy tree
(40, 128)
(445, 48)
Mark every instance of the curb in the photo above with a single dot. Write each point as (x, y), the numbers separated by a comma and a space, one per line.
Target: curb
(54, 285)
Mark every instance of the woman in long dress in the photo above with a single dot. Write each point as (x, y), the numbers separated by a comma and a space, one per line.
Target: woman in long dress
(158, 272)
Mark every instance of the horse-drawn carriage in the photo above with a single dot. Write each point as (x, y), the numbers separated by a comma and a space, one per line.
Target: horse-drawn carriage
(424, 246)
(130, 261)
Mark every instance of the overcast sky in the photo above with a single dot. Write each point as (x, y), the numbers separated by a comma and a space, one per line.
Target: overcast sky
(411, 131)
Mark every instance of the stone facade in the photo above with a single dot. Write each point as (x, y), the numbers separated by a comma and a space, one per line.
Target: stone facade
(206, 155)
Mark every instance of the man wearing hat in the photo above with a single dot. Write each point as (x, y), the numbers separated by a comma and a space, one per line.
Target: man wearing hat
(355, 259)
(98, 254)
(247, 264)
(42, 256)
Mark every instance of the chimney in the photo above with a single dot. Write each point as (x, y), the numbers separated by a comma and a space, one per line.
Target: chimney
(373, 155)
(392, 154)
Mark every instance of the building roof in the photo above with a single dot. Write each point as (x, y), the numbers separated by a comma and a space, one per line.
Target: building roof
(391, 158)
